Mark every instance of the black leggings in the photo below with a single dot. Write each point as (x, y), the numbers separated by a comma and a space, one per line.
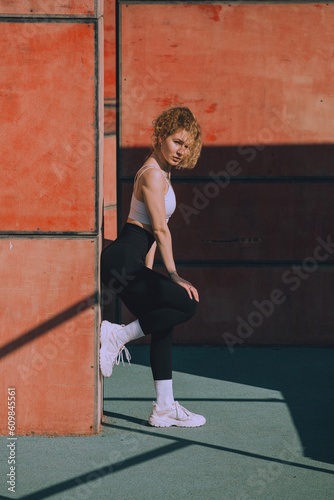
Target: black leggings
(157, 302)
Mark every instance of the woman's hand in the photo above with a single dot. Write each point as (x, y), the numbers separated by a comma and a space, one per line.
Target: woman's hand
(192, 292)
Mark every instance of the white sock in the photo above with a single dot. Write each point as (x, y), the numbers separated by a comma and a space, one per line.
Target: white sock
(164, 393)
(129, 332)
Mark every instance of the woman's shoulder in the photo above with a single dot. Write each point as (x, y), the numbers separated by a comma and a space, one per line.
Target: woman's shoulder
(150, 173)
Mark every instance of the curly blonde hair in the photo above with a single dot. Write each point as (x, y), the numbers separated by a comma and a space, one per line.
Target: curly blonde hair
(173, 119)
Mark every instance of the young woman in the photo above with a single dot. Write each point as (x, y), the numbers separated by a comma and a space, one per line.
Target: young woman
(159, 303)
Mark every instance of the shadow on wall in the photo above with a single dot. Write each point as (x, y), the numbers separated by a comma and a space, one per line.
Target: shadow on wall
(253, 159)
(263, 203)
(304, 376)
(246, 229)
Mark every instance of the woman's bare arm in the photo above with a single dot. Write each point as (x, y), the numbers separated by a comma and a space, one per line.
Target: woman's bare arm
(153, 190)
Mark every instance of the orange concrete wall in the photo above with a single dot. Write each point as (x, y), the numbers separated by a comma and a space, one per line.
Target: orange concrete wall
(52, 8)
(258, 76)
(47, 140)
(51, 145)
(47, 343)
(110, 191)
(235, 65)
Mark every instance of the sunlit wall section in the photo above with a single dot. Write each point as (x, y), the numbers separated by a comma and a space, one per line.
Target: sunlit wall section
(50, 224)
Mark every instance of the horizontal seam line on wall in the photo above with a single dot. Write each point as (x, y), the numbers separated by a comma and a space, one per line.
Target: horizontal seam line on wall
(249, 180)
(42, 235)
(50, 19)
(245, 263)
(227, 3)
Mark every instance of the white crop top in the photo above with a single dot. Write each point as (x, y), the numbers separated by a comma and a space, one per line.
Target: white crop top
(138, 210)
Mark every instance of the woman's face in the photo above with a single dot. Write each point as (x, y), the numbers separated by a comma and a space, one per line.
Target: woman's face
(175, 147)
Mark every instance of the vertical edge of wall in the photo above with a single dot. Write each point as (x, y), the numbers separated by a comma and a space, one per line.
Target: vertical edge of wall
(98, 8)
(99, 148)
(110, 110)
(98, 379)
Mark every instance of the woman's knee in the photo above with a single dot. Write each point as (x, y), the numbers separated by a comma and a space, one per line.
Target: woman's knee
(190, 308)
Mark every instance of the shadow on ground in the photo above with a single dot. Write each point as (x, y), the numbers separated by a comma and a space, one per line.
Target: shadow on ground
(304, 376)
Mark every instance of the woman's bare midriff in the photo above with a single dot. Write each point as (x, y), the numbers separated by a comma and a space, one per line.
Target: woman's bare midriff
(140, 224)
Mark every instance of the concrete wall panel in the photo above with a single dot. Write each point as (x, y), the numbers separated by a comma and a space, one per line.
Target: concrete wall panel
(110, 191)
(110, 188)
(82, 8)
(258, 77)
(99, 128)
(252, 73)
(110, 175)
(252, 160)
(48, 350)
(51, 143)
(109, 49)
(48, 127)
(110, 224)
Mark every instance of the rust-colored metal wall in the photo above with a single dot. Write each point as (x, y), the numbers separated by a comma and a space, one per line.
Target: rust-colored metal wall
(110, 195)
(252, 229)
(47, 350)
(50, 225)
(52, 8)
(47, 138)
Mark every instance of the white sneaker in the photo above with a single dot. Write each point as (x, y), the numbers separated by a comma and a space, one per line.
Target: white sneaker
(111, 351)
(177, 415)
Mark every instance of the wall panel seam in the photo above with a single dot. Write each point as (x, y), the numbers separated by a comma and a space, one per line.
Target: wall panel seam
(230, 3)
(247, 180)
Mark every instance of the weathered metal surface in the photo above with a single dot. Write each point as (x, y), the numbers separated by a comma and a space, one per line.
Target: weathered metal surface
(109, 49)
(258, 77)
(47, 333)
(110, 195)
(258, 306)
(109, 170)
(51, 8)
(51, 143)
(248, 161)
(252, 73)
(47, 140)
(241, 222)
(110, 224)
(110, 177)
